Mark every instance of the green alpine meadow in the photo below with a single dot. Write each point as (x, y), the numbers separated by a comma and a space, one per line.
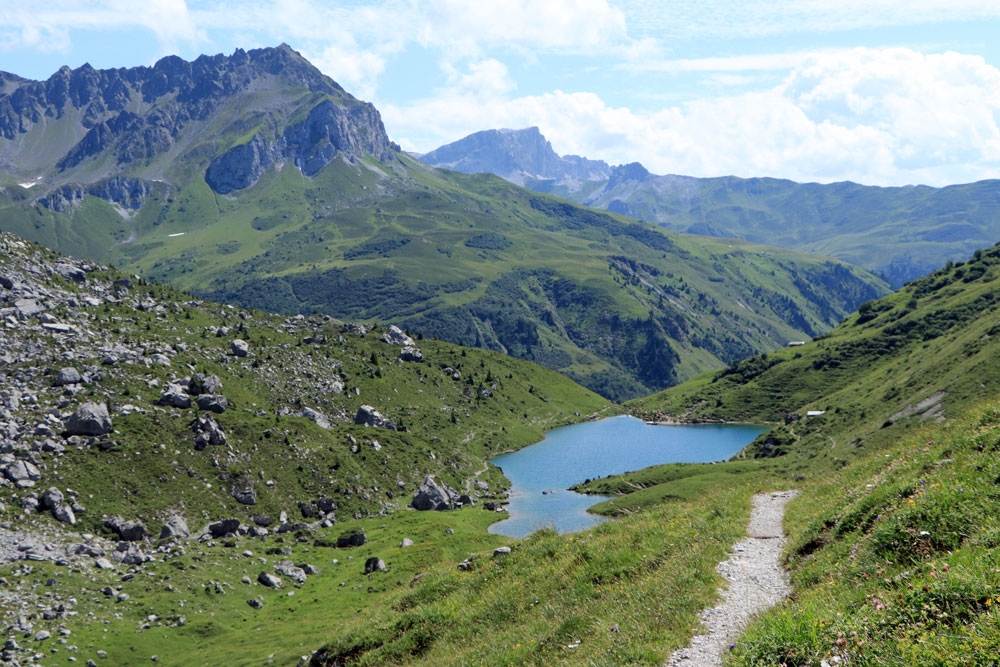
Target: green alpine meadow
(257, 362)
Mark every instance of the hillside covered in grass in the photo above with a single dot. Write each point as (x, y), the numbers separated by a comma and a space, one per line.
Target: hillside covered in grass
(919, 355)
(254, 179)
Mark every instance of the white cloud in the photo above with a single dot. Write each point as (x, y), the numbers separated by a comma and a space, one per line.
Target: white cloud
(48, 27)
(879, 116)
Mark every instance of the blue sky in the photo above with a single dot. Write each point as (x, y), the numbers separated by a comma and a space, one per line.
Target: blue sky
(889, 92)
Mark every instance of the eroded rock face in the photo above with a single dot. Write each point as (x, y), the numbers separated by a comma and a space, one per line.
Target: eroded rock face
(89, 419)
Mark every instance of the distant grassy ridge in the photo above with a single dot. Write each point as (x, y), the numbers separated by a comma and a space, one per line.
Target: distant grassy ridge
(923, 353)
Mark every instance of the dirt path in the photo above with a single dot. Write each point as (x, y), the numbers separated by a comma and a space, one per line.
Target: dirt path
(756, 582)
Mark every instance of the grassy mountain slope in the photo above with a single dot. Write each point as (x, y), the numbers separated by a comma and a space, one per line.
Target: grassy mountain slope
(921, 354)
(255, 179)
(900, 233)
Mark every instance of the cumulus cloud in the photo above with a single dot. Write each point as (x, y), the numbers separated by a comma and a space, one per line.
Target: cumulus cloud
(879, 116)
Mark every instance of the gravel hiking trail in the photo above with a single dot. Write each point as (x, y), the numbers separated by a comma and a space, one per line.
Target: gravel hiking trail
(756, 582)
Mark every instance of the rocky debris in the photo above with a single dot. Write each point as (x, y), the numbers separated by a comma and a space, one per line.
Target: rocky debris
(375, 564)
(410, 353)
(89, 419)
(395, 336)
(465, 565)
(369, 416)
(175, 528)
(208, 432)
(240, 347)
(352, 538)
(269, 580)
(129, 531)
(245, 494)
(66, 376)
(174, 396)
(28, 307)
(434, 496)
(216, 403)
(204, 384)
(223, 528)
(356, 329)
(290, 570)
(317, 417)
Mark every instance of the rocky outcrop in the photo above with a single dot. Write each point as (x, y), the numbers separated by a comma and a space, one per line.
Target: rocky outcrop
(434, 496)
(369, 416)
(89, 419)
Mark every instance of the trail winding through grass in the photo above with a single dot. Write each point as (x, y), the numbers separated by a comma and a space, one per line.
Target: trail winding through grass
(756, 582)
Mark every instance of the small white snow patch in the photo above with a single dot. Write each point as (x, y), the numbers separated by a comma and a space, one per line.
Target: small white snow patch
(177, 234)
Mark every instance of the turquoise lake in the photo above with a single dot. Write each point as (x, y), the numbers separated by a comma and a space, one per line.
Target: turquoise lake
(596, 449)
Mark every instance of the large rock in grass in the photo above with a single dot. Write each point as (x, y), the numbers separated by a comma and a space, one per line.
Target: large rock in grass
(240, 347)
(375, 564)
(395, 336)
(434, 496)
(204, 384)
(175, 397)
(19, 471)
(128, 531)
(175, 528)
(352, 538)
(68, 375)
(89, 419)
(369, 416)
(216, 403)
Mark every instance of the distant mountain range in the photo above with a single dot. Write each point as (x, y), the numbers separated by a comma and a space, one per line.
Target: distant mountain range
(900, 233)
(255, 179)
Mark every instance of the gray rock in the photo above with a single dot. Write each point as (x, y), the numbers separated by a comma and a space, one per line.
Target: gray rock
(501, 551)
(208, 432)
(69, 272)
(262, 520)
(175, 397)
(290, 570)
(357, 329)
(103, 564)
(395, 336)
(68, 375)
(310, 569)
(255, 603)
(240, 347)
(410, 353)
(129, 531)
(269, 580)
(369, 416)
(22, 470)
(245, 495)
(204, 384)
(434, 496)
(375, 564)
(216, 403)
(64, 514)
(6, 282)
(223, 527)
(160, 359)
(28, 307)
(407, 542)
(352, 538)
(89, 419)
(317, 417)
(175, 527)
(51, 498)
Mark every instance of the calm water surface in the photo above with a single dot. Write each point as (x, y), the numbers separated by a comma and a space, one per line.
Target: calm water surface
(595, 449)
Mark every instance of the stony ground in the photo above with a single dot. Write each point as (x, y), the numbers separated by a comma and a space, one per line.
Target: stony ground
(756, 581)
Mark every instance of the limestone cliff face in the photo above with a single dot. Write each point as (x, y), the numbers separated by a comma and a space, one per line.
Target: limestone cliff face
(328, 131)
(86, 126)
(516, 155)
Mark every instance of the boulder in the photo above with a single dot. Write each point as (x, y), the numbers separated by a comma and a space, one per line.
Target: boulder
(223, 527)
(240, 347)
(216, 403)
(89, 419)
(290, 570)
(269, 580)
(64, 514)
(175, 397)
(255, 603)
(262, 520)
(410, 353)
(204, 384)
(52, 498)
(22, 470)
(65, 376)
(208, 432)
(407, 542)
(6, 282)
(175, 528)
(70, 272)
(317, 417)
(369, 416)
(245, 495)
(129, 531)
(433, 496)
(395, 336)
(501, 551)
(375, 564)
(352, 538)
